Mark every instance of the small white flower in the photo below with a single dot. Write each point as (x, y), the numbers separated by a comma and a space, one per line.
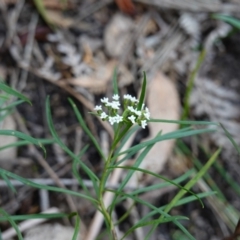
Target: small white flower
(131, 109)
(132, 119)
(103, 115)
(116, 97)
(112, 120)
(115, 105)
(147, 113)
(127, 96)
(144, 123)
(138, 112)
(98, 107)
(118, 118)
(133, 99)
(104, 100)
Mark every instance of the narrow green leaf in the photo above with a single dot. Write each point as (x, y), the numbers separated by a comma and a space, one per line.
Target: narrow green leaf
(190, 84)
(173, 135)
(85, 128)
(184, 189)
(12, 222)
(25, 142)
(5, 178)
(76, 228)
(24, 137)
(151, 222)
(40, 186)
(192, 181)
(163, 184)
(42, 11)
(158, 211)
(228, 19)
(90, 173)
(11, 105)
(186, 122)
(230, 138)
(143, 92)
(12, 92)
(35, 216)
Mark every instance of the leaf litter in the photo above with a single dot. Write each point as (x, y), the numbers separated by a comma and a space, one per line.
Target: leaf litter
(78, 60)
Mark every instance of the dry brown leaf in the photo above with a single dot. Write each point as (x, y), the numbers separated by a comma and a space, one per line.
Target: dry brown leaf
(163, 103)
(96, 82)
(126, 6)
(117, 35)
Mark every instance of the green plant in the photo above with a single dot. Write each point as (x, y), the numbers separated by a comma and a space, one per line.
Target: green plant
(123, 125)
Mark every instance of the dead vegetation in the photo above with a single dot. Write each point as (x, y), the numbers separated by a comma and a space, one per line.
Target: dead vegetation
(70, 49)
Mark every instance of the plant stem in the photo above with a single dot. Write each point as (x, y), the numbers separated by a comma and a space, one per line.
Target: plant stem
(118, 136)
(103, 208)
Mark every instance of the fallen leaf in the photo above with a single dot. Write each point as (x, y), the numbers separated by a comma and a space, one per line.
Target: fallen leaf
(117, 35)
(126, 6)
(163, 103)
(98, 80)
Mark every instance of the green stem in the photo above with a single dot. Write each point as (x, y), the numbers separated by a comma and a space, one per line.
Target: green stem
(118, 136)
(103, 208)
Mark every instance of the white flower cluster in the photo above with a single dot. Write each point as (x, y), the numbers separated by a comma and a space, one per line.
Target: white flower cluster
(130, 111)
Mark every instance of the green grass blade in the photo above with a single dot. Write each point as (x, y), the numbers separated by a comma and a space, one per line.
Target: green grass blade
(25, 142)
(12, 222)
(12, 92)
(85, 128)
(183, 189)
(184, 122)
(227, 177)
(193, 181)
(76, 228)
(228, 19)
(5, 178)
(76, 162)
(186, 151)
(151, 222)
(163, 184)
(42, 11)
(91, 174)
(24, 137)
(186, 105)
(49, 188)
(183, 201)
(157, 211)
(230, 138)
(129, 175)
(189, 185)
(173, 135)
(192, 198)
(143, 92)
(11, 105)
(35, 216)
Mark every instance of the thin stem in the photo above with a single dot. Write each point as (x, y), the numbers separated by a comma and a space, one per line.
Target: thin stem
(118, 136)
(101, 194)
